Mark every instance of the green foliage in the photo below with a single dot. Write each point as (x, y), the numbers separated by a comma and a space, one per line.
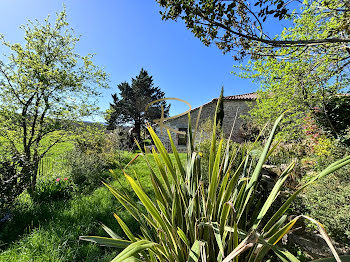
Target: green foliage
(300, 81)
(238, 26)
(187, 219)
(45, 87)
(206, 130)
(87, 170)
(220, 112)
(337, 119)
(12, 183)
(328, 202)
(94, 152)
(129, 107)
(49, 189)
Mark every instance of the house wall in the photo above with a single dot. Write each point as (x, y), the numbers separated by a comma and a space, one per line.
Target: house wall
(208, 110)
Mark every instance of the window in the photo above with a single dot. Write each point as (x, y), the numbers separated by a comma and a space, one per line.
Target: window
(182, 139)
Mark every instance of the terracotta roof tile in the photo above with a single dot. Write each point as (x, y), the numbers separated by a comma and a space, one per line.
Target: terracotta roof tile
(248, 96)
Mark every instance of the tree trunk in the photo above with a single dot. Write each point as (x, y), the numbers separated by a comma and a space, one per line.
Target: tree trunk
(27, 175)
(34, 176)
(30, 172)
(137, 131)
(329, 121)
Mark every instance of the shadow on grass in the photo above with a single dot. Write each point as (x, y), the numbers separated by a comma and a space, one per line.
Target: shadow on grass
(49, 231)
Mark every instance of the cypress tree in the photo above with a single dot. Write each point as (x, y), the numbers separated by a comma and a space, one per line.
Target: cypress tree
(220, 112)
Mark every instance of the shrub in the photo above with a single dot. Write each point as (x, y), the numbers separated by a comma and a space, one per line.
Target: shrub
(328, 201)
(86, 169)
(94, 152)
(189, 220)
(49, 189)
(12, 182)
(250, 131)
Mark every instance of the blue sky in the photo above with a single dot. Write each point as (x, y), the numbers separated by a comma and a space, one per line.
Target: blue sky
(128, 35)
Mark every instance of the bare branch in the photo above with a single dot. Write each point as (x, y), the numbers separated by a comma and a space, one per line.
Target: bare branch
(10, 84)
(277, 43)
(58, 140)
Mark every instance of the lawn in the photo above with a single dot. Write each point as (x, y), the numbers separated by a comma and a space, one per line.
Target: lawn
(49, 231)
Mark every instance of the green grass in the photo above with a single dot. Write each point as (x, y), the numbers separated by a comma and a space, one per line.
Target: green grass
(60, 149)
(53, 163)
(49, 231)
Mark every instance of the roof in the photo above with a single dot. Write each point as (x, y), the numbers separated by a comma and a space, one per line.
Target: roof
(248, 96)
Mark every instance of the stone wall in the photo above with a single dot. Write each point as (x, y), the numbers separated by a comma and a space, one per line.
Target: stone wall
(231, 107)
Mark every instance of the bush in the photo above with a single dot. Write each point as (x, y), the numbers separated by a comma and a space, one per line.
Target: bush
(12, 183)
(328, 202)
(250, 131)
(86, 169)
(49, 189)
(94, 152)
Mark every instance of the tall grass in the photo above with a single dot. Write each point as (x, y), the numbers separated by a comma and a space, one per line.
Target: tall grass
(49, 230)
(223, 219)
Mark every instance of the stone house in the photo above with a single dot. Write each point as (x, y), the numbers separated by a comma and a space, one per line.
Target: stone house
(236, 104)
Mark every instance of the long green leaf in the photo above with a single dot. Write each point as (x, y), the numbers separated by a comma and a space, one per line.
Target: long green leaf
(195, 252)
(162, 171)
(146, 201)
(273, 194)
(212, 147)
(257, 170)
(177, 157)
(152, 210)
(275, 227)
(214, 182)
(275, 238)
(325, 237)
(183, 237)
(110, 232)
(129, 205)
(125, 228)
(133, 249)
(106, 241)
